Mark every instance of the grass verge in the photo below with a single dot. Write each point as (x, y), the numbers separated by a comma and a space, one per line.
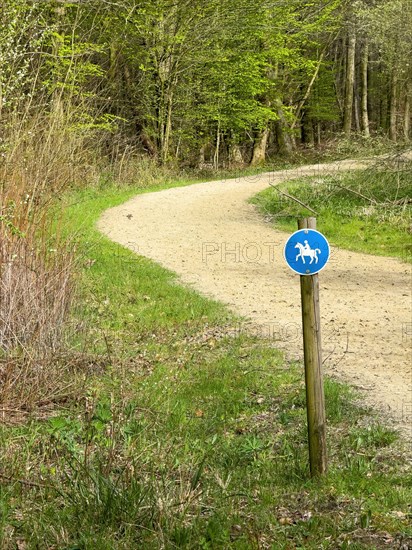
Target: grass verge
(188, 433)
(366, 211)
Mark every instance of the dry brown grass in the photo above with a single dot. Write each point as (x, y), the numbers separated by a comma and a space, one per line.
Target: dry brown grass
(36, 289)
(37, 263)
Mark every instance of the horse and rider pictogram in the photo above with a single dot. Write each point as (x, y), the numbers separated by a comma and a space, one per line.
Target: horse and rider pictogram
(306, 251)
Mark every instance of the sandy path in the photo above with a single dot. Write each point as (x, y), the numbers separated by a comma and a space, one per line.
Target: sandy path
(218, 243)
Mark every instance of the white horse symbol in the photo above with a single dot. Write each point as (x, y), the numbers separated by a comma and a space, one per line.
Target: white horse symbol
(306, 250)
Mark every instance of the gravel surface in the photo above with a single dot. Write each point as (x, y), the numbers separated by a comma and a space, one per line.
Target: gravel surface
(220, 245)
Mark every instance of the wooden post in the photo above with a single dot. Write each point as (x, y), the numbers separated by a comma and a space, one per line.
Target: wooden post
(312, 347)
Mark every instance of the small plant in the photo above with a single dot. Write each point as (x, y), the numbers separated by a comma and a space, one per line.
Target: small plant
(251, 447)
(373, 436)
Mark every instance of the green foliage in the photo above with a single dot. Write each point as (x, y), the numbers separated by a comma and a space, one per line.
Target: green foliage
(70, 66)
(186, 82)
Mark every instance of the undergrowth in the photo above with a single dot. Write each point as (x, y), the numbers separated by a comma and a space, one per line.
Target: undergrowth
(188, 433)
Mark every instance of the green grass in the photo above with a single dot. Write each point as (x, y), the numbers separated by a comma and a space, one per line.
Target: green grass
(125, 293)
(187, 432)
(380, 224)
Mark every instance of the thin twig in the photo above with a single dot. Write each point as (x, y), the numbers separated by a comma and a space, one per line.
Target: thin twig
(398, 202)
(109, 356)
(27, 483)
(293, 199)
(373, 201)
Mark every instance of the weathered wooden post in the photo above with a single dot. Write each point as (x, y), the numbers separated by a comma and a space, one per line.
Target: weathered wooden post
(307, 252)
(312, 349)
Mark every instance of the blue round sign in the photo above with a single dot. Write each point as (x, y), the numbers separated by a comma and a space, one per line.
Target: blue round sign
(307, 251)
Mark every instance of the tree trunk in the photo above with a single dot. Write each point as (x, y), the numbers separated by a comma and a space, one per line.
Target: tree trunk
(217, 148)
(259, 148)
(383, 121)
(349, 83)
(283, 138)
(356, 112)
(235, 155)
(111, 73)
(201, 161)
(393, 107)
(339, 65)
(364, 99)
(319, 134)
(168, 129)
(284, 143)
(308, 137)
(407, 115)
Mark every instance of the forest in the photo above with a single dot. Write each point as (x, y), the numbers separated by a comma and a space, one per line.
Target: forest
(198, 83)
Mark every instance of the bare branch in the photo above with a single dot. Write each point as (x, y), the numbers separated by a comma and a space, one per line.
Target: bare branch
(373, 201)
(293, 199)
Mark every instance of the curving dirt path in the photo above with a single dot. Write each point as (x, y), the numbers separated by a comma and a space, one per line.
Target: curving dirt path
(218, 243)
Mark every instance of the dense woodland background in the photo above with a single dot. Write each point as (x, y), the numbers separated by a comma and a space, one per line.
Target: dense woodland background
(96, 92)
(202, 83)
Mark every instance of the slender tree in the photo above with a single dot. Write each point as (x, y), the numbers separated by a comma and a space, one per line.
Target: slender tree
(349, 81)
